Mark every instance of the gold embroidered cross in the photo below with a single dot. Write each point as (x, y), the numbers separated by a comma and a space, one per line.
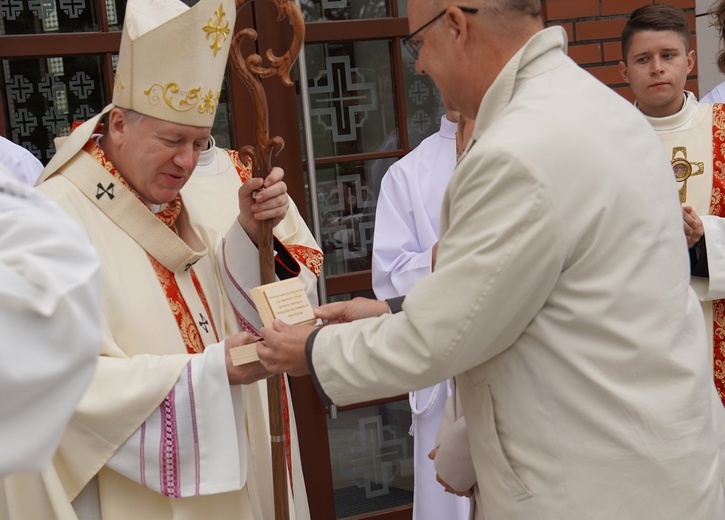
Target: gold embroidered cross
(684, 169)
(216, 29)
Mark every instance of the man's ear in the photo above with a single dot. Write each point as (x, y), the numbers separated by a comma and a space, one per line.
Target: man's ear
(456, 20)
(116, 124)
(690, 60)
(622, 67)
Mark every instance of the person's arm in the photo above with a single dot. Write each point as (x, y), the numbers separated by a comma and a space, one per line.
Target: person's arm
(695, 236)
(190, 445)
(296, 251)
(399, 257)
(237, 255)
(27, 167)
(49, 301)
(489, 283)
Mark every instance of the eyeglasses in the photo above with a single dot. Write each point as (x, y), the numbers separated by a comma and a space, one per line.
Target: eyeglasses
(413, 45)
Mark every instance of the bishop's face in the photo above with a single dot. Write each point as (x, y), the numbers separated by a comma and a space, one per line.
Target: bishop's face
(156, 157)
(656, 68)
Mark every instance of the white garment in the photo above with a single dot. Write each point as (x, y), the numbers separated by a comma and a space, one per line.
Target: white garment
(407, 217)
(50, 322)
(691, 128)
(716, 95)
(204, 411)
(144, 357)
(689, 134)
(561, 304)
(22, 164)
(406, 228)
(204, 414)
(211, 192)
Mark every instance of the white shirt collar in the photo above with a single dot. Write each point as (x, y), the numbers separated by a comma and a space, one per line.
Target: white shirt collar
(680, 119)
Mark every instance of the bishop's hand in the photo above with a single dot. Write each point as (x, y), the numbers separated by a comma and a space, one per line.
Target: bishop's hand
(247, 373)
(262, 199)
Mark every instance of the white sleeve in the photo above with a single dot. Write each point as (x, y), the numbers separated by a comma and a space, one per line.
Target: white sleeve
(50, 320)
(239, 277)
(28, 168)
(195, 442)
(399, 259)
(714, 287)
(716, 95)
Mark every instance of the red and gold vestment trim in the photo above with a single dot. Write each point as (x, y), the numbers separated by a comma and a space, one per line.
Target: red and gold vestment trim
(717, 208)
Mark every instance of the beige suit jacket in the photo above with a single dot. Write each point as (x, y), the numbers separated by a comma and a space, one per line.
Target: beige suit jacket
(561, 304)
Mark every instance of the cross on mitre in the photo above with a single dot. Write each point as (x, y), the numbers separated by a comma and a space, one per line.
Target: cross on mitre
(684, 169)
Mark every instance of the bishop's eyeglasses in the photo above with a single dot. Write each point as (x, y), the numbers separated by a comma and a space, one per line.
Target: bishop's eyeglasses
(413, 44)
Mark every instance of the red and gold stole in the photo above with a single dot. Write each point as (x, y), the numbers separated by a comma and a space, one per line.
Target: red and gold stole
(184, 319)
(717, 208)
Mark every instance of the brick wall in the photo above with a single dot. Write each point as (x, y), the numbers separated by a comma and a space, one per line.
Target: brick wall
(594, 28)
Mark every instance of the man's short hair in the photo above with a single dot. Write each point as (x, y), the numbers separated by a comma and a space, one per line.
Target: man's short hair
(655, 17)
(530, 7)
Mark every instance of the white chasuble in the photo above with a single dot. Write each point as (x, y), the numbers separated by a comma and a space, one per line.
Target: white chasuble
(211, 193)
(204, 465)
(689, 142)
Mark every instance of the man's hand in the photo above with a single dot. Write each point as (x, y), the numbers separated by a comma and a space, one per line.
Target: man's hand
(693, 225)
(262, 200)
(351, 310)
(247, 373)
(449, 489)
(283, 348)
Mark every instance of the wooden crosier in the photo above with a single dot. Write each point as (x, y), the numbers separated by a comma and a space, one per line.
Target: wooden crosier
(252, 70)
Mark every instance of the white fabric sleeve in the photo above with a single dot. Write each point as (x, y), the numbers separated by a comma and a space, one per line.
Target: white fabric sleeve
(50, 321)
(194, 443)
(239, 277)
(28, 168)
(714, 287)
(716, 95)
(399, 259)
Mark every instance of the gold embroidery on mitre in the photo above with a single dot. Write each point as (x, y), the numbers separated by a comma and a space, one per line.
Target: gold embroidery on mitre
(683, 169)
(210, 102)
(117, 83)
(217, 30)
(177, 99)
